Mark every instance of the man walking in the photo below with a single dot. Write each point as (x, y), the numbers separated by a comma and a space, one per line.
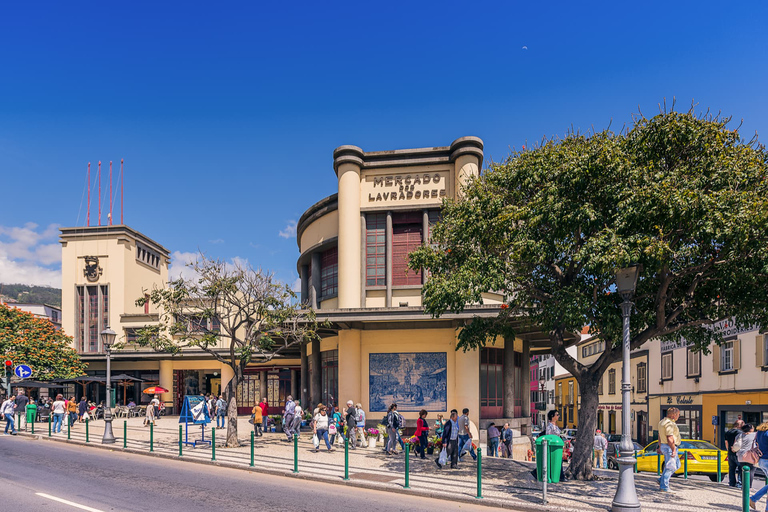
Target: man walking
(290, 406)
(351, 420)
(21, 406)
(221, 412)
(6, 409)
(360, 424)
(669, 440)
(451, 440)
(734, 469)
(506, 441)
(599, 447)
(298, 412)
(465, 434)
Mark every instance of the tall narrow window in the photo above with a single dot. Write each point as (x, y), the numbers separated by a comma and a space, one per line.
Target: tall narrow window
(600, 385)
(641, 378)
(406, 237)
(666, 366)
(375, 249)
(329, 272)
(92, 317)
(727, 356)
(694, 363)
(612, 381)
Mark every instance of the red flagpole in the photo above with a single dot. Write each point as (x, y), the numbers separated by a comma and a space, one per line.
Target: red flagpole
(88, 215)
(122, 181)
(110, 193)
(99, 192)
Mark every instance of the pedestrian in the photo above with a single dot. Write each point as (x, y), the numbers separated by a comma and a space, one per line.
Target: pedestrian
(264, 414)
(360, 424)
(7, 409)
(58, 408)
(82, 408)
(221, 412)
(439, 423)
(465, 435)
(393, 423)
(506, 441)
(422, 431)
(298, 412)
(257, 421)
(290, 406)
(21, 406)
(734, 470)
(320, 427)
(605, 452)
(350, 418)
(598, 448)
(669, 440)
(762, 445)
(150, 416)
(493, 440)
(450, 439)
(744, 442)
(336, 425)
(72, 410)
(552, 428)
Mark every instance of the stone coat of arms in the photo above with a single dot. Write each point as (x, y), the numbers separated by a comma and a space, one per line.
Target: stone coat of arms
(92, 269)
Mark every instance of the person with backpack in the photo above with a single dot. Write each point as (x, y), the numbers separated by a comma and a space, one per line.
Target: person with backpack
(762, 446)
(393, 423)
(290, 406)
(744, 455)
(734, 471)
(351, 421)
(360, 424)
(258, 418)
(422, 431)
(221, 412)
(336, 426)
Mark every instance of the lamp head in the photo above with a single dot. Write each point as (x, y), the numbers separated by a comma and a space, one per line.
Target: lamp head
(108, 337)
(626, 281)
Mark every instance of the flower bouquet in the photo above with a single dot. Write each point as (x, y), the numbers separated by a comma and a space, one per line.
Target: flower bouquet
(372, 434)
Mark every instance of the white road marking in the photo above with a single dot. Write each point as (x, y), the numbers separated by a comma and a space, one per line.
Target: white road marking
(66, 502)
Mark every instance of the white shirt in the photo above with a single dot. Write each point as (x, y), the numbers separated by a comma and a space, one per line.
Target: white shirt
(321, 422)
(59, 407)
(7, 407)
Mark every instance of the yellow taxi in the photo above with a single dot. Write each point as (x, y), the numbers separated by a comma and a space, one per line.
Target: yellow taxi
(702, 458)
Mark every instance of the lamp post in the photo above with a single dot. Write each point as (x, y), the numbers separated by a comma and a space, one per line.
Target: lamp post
(107, 338)
(625, 499)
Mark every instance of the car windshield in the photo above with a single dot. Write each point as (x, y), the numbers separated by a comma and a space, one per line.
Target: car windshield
(697, 445)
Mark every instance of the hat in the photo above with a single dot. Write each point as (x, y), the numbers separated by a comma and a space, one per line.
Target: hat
(597, 431)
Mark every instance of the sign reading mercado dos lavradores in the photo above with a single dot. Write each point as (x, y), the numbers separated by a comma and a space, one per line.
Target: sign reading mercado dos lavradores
(422, 187)
(724, 327)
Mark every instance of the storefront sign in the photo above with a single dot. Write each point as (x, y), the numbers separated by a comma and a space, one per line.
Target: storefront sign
(724, 327)
(684, 399)
(609, 407)
(404, 187)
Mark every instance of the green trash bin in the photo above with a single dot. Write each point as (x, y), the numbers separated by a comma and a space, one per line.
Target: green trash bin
(31, 413)
(554, 456)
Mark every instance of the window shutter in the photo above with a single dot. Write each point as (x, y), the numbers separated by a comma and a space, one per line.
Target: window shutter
(716, 352)
(760, 350)
(736, 354)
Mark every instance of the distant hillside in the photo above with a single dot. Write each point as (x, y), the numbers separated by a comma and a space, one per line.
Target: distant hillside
(33, 294)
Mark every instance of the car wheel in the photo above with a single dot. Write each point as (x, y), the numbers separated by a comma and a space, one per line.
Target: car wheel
(611, 464)
(713, 478)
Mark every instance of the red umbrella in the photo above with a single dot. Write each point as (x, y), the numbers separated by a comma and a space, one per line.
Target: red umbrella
(154, 390)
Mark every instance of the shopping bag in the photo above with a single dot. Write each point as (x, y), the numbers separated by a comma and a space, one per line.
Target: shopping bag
(467, 447)
(315, 441)
(443, 458)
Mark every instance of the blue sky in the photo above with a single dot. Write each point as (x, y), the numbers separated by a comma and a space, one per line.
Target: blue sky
(227, 114)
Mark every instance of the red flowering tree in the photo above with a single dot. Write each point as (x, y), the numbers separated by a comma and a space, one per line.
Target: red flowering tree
(25, 339)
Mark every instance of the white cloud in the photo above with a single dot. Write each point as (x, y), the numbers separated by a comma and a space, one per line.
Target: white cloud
(297, 285)
(290, 230)
(25, 259)
(179, 265)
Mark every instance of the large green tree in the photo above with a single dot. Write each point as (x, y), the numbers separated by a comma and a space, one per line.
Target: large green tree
(236, 314)
(680, 194)
(26, 339)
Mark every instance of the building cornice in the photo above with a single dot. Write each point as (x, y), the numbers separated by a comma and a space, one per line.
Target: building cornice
(319, 209)
(109, 232)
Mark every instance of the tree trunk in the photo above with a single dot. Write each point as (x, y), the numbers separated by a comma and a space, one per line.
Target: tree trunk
(230, 396)
(580, 467)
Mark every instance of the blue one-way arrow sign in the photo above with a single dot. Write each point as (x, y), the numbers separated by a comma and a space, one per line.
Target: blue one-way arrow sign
(23, 371)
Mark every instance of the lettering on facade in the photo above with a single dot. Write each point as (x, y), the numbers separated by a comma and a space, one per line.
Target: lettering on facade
(402, 187)
(92, 269)
(724, 327)
(609, 407)
(680, 400)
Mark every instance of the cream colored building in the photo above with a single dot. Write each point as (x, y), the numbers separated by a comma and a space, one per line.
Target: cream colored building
(714, 390)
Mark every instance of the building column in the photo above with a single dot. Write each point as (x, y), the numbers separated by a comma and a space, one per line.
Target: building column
(424, 238)
(304, 381)
(314, 288)
(525, 371)
(350, 379)
(314, 388)
(466, 381)
(294, 384)
(388, 259)
(263, 385)
(348, 161)
(227, 374)
(467, 158)
(508, 378)
(166, 381)
(304, 274)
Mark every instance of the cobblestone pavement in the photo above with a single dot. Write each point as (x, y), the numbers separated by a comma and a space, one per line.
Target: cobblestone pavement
(506, 483)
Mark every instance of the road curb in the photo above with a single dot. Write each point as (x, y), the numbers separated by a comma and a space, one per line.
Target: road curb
(517, 505)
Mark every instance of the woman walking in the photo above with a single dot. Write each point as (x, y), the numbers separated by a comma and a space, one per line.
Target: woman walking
(72, 410)
(762, 444)
(320, 427)
(59, 408)
(745, 441)
(149, 418)
(393, 423)
(422, 431)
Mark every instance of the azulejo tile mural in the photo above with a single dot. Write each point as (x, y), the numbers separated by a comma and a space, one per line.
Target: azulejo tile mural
(412, 380)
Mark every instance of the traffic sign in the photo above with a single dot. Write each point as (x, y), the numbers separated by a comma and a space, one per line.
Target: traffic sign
(23, 371)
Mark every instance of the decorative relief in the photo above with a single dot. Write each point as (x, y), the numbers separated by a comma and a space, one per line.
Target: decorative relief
(412, 380)
(92, 270)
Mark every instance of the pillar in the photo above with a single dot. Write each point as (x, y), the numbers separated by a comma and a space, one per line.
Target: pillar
(388, 259)
(304, 381)
(348, 161)
(314, 388)
(525, 371)
(166, 381)
(350, 378)
(508, 378)
(466, 381)
(263, 386)
(304, 274)
(314, 288)
(294, 384)
(467, 158)
(424, 238)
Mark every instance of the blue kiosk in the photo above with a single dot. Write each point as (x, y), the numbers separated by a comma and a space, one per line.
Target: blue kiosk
(195, 411)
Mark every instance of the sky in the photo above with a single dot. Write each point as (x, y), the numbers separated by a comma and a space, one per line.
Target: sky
(227, 114)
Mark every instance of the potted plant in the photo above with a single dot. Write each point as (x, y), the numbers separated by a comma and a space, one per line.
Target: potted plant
(382, 432)
(372, 434)
(432, 443)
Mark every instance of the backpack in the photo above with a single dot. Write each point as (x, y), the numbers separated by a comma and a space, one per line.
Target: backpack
(359, 416)
(400, 420)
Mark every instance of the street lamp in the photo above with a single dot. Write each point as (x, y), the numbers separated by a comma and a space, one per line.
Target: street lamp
(107, 339)
(625, 499)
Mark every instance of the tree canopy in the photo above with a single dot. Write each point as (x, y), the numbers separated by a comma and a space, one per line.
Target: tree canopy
(26, 339)
(679, 193)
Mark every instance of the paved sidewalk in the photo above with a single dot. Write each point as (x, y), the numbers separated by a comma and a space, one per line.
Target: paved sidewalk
(506, 483)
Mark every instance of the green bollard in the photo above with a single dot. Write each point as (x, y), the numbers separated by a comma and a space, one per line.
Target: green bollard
(18, 421)
(635, 467)
(745, 485)
(658, 464)
(252, 448)
(86, 431)
(407, 466)
(180, 444)
(49, 425)
(346, 462)
(33, 426)
(480, 473)
(125, 434)
(295, 453)
(151, 437)
(719, 468)
(685, 465)
(213, 444)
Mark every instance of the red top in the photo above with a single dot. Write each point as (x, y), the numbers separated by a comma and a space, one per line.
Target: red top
(421, 426)
(263, 406)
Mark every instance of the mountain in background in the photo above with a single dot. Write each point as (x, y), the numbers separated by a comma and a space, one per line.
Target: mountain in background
(30, 294)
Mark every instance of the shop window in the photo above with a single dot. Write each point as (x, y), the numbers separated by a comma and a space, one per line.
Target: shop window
(375, 249)
(642, 373)
(329, 272)
(666, 366)
(406, 238)
(693, 365)
(612, 381)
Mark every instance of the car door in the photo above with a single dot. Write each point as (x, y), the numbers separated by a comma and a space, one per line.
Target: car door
(647, 459)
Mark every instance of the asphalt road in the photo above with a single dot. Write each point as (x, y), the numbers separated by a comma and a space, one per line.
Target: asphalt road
(38, 475)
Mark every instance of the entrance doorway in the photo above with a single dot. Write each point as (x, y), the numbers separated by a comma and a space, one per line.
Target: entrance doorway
(491, 383)
(642, 428)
